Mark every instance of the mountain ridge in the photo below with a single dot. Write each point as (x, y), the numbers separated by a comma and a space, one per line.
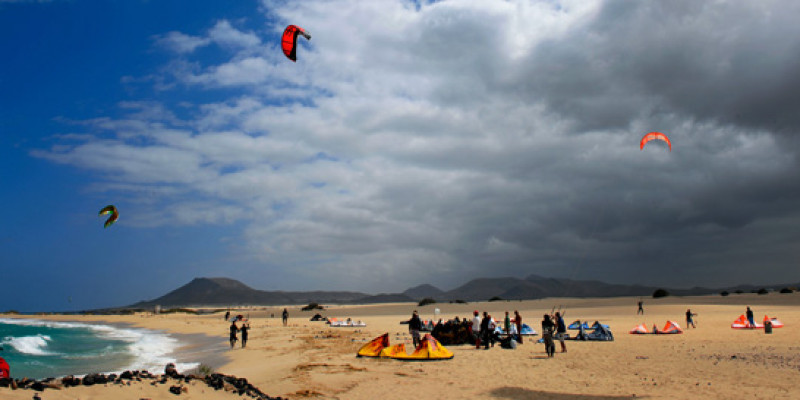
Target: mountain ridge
(226, 292)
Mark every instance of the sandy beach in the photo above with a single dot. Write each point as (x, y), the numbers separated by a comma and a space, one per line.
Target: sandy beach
(312, 360)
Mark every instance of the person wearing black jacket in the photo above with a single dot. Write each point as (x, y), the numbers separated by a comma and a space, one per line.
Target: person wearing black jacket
(414, 326)
(485, 334)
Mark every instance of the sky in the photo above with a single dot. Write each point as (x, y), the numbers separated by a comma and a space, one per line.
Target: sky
(412, 142)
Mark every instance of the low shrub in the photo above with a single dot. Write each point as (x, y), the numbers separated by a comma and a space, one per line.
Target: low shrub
(660, 293)
(426, 301)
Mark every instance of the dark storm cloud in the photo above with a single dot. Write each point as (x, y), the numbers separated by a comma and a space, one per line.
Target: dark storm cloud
(730, 62)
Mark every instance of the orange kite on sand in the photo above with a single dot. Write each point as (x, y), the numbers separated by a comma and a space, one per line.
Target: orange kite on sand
(429, 349)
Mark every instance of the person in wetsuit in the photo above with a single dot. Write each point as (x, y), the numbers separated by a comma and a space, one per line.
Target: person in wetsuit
(233, 330)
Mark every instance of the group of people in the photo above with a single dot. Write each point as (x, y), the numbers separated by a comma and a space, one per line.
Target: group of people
(689, 315)
(484, 329)
(553, 326)
(245, 328)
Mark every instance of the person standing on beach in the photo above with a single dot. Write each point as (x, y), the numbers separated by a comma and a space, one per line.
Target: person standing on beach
(476, 329)
(547, 334)
(227, 315)
(507, 324)
(485, 331)
(245, 327)
(414, 326)
(518, 322)
(750, 317)
(689, 319)
(285, 317)
(641, 309)
(561, 331)
(233, 330)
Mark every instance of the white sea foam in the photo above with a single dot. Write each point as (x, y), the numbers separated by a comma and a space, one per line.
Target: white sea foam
(33, 345)
(151, 350)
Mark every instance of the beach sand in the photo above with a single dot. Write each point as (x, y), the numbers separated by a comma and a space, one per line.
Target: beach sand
(312, 360)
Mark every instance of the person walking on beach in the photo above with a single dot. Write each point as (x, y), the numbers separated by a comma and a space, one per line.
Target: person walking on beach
(518, 323)
(561, 331)
(750, 317)
(476, 329)
(690, 319)
(641, 309)
(245, 327)
(547, 334)
(285, 317)
(414, 326)
(233, 337)
(227, 315)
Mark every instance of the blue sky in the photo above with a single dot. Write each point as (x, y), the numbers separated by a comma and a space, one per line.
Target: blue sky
(411, 142)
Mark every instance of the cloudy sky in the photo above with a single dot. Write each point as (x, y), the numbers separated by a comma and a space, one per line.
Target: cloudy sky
(412, 142)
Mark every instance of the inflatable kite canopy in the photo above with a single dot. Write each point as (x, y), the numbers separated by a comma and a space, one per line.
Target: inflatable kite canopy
(639, 330)
(289, 41)
(374, 347)
(653, 136)
(112, 210)
(429, 349)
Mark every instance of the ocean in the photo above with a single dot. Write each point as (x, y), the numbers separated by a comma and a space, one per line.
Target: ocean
(41, 349)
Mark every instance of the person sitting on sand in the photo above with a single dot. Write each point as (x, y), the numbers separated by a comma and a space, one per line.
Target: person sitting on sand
(233, 337)
(689, 319)
(547, 334)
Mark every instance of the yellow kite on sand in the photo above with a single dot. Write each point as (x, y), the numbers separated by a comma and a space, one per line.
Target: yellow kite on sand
(429, 349)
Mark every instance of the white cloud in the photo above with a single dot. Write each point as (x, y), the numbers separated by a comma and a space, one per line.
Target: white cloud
(411, 144)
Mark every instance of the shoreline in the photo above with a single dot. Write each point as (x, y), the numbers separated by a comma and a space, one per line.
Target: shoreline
(191, 348)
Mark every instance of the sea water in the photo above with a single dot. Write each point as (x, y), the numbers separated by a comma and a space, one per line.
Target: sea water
(41, 349)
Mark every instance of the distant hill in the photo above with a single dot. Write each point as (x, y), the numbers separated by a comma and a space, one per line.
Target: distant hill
(385, 298)
(424, 291)
(225, 292)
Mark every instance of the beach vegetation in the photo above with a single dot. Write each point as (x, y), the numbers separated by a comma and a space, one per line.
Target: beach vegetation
(426, 301)
(762, 291)
(458, 301)
(496, 298)
(205, 370)
(787, 290)
(724, 293)
(739, 291)
(312, 306)
(660, 293)
(179, 310)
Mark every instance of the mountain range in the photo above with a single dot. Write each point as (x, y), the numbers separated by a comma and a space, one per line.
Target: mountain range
(227, 292)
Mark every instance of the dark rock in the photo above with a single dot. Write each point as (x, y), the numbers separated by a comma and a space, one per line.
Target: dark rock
(175, 390)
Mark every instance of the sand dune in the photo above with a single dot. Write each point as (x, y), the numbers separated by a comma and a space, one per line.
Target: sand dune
(311, 360)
